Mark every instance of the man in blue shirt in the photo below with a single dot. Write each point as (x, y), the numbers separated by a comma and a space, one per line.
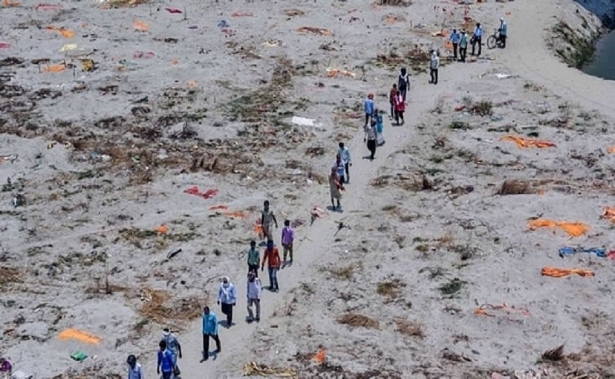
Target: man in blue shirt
(463, 46)
(503, 32)
(166, 361)
(210, 329)
(477, 38)
(455, 38)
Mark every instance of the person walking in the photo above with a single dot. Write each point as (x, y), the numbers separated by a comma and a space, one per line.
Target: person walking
(346, 159)
(455, 38)
(254, 258)
(463, 46)
(210, 330)
(254, 297)
(477, 38)
(368, 107)
(135, 371)
(227, 298)
(370, 138)
(434, 64)
(288, 238)
(503, 32)
(166, 361)
(392, 94)
(272, 257)
(379, 127)
(339, 166)
(174, 346)
(400, 108)
(335, 188)
(267, 221)
(403, 83)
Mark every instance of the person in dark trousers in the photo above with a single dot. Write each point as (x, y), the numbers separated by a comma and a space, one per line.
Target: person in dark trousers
(455, 38)
(400, 108)
(174, 346)
(434, 64)
(477, 38)
(272, 256)
(166, 361)
(254, 258)
(210, 329)
(371, 139)
(403, 83)
(227, 298)
(463, 46)
(503, 32)
(392, 94)
(346, 159)
(268, 220)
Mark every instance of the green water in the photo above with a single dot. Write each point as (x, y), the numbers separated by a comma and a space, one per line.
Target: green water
(603, 65)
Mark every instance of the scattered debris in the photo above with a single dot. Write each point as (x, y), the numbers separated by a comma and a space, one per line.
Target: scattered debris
(173, 253)
(255, 369)
(574, 229)
(563, 272)
(455, 357)
(205, 195)
(527, 142)
(554, 355)
(358, 320)
(313, 30)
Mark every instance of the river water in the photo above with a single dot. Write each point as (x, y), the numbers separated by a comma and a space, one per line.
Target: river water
(603, 65)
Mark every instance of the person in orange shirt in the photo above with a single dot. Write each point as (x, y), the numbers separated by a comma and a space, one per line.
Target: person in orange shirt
(272, 256)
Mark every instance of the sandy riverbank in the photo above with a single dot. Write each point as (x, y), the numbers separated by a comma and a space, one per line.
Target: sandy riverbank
(393, 296)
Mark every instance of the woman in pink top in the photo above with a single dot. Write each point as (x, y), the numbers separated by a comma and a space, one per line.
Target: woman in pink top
(400, 108)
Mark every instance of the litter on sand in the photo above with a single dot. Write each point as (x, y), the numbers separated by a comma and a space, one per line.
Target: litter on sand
(79, 356)
(567, 250)
(79, 335)
(611, 149)
(173, 10)
(253, 368)
(47, 7)
(54, 68)
(489, 310)
(563, 272)
(8, 158)
(236, 214)
(609, 214)
(68, 47)
(312, 30)
(527, 142)
(140, 26)
(63, 31)
(242, 14)
(10, 3)
(574, 229)
(216, 207)
(505, 76)
(162, 229)
(4, 45)
(302, 121)
(320, 356)
(334, 72)
(194, 190)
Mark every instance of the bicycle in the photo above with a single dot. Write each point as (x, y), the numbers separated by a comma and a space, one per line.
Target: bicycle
(494, 40)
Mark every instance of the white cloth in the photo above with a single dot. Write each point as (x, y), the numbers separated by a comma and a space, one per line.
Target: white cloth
(254, 289)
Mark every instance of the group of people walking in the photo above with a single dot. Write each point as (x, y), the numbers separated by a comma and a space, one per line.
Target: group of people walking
(460, 40)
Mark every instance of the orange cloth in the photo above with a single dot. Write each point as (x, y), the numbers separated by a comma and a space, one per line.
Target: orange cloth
(611, 149)
(574, 229)
(10, 3)
(273, 256)
(236, 214)
(162, 229)
(79, 335)
(320, 31)
(54, 68)
(562, 272)
(64, 32)
(526, 142)
(320, 356)
(140, 26)
(214, 207)
(609, 213)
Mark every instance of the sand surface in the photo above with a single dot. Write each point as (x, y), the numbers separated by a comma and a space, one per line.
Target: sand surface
(429, 239)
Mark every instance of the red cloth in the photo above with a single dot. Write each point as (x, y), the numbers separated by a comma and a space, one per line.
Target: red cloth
(400, 105)
(194, 190)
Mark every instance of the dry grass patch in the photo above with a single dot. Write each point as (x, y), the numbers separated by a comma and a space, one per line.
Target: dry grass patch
(409, 328)
(395, 3)
(343, 272)
(358, 321)
(391, 289)
(9, 275)
(160, 307)
(517, 187)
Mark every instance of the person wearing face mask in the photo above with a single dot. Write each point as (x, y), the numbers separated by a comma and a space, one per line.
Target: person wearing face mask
(227, 298)
(254, 296)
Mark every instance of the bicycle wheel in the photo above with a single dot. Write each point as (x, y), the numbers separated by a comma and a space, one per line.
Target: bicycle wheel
(492, 42)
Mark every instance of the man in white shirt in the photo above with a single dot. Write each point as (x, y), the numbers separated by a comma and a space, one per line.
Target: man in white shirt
(344, 153)
(254, 297)
(477, 38)
(434, 64)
